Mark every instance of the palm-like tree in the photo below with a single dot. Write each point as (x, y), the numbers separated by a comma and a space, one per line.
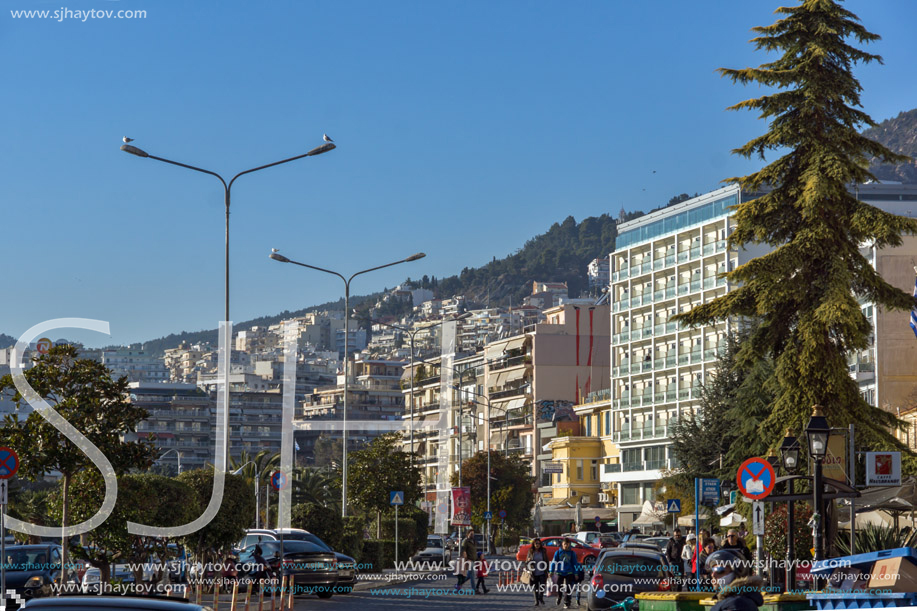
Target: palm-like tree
(315, 486)
(264, 464)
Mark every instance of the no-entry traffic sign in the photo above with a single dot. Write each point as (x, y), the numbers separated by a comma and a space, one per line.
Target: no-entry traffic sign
(9, 462)
(756, 478)
(279, 480)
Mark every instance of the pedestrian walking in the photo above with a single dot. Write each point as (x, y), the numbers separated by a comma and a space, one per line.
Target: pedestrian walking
(481, 573)
(537, 564)
(673, 550)
(734, 542)
(688, 554)
(565, 566)
(708, 549)
(467, 559)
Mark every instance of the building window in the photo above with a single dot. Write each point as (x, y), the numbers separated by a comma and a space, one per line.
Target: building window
(630, 494)
(595, 470)
(588, 420)
(608, 422)
(579, 470)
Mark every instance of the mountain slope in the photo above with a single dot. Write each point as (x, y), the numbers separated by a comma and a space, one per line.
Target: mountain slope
(900, 135)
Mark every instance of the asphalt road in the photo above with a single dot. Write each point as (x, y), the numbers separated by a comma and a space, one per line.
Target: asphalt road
(424, 596)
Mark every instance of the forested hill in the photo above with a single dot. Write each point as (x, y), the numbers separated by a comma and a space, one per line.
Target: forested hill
(900, 135)
(560, 255)
(6, 341)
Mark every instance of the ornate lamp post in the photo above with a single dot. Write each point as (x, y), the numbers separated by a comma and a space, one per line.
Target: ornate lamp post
(817, 432)
(789, 453)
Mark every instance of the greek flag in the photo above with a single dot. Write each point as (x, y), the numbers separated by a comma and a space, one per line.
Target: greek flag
(296, 445)
(914, 309)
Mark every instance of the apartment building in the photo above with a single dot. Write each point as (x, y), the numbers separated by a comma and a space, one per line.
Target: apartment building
(182, 362)
(374, 394)
(181, 417)
(137, 365)
(671, 260)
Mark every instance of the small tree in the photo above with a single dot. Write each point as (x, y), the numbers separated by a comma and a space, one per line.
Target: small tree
(510, 490)
(234, 516)
(84, 393)
(379, 469)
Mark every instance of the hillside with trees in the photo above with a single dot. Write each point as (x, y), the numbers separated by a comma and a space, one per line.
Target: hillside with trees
(899, 135)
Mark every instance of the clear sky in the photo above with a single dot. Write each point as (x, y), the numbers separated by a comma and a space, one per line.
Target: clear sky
(463, 129)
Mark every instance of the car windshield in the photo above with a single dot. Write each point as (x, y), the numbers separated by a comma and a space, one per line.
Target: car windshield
(27, 559)
(434, 543)
(272, 548)
(630, 566)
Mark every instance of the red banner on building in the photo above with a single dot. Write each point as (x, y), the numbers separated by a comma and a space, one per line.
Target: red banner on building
(461, 506)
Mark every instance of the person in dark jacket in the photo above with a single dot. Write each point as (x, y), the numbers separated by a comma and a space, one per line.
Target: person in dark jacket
(738, 589)
(673, 551)
(565, 567)
(734, 542)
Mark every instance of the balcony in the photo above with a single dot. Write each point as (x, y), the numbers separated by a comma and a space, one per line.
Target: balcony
(512, 392)
(683, 288)
(510, 362)
(669, 260)
(612, 468)
(695, 252)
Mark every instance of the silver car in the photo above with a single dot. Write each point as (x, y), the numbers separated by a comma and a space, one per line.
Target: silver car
(435, 552)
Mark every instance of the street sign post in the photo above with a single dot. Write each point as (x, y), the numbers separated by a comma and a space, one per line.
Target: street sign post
(757, 518)
(9, 464)
(396, 498)
(673, 506)
(598, 523)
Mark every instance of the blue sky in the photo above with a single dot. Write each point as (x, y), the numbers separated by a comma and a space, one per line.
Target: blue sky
(463, 129)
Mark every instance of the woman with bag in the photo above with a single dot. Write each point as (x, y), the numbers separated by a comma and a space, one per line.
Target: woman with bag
(537, 568)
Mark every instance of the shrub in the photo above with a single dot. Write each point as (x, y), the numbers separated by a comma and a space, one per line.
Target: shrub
(322, 522)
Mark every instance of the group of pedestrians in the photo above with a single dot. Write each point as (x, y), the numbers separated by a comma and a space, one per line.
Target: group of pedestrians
(567, 570)
(471, 565)
(686, 559)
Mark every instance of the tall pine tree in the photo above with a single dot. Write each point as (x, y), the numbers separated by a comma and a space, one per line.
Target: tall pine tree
(805, 290)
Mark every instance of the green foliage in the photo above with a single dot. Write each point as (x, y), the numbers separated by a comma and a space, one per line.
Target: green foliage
(317, 487)
(236, 512)
(874, 538)
(142, 498)
(511, 490)
(412, 527)
(381, 554)
(378, 469)
(775, 529)
(325, 524)
(805, 290)
(328, 450)
(352, 537)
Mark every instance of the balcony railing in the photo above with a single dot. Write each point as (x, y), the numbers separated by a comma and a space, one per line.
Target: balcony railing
(612, 468)
(512, 392)
(510, 362)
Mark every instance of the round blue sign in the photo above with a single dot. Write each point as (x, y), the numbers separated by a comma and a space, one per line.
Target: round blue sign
(756, 478)
(9, 462)
(279, 480)
(502, 514)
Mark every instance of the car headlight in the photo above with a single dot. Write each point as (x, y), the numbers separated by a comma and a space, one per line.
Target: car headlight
(34, 582)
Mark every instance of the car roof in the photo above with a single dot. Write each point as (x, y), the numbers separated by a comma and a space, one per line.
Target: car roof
(642, 553)
(94, 601)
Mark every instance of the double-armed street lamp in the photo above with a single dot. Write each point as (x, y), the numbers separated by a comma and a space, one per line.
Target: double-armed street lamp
(276, 256)
(227, 192)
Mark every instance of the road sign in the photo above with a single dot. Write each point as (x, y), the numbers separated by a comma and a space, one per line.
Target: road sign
(43, 345)
(756, 478)
(757, 518)
(279, 480)
(733, 496)
(396, 497)
(488, 515)
(709, 490)
(9, 462)
(673, 506)
(552, 467)
(442, 507)
(4, 491)
(502, 514)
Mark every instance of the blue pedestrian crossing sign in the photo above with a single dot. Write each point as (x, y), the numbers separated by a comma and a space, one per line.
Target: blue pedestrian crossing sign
(396, 497)
(488, 515)
(673, 506)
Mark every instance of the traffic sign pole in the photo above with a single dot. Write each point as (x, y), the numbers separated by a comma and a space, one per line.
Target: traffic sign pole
(697, 530)
(396, 536)
(9, 465)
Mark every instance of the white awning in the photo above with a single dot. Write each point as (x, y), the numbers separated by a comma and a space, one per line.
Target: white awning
(498, 380)
(493, 351)
(514, 344)
(515, 374)
(515, 403)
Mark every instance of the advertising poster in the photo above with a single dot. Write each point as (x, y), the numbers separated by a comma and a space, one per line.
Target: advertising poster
(461, 506)
(883, 468)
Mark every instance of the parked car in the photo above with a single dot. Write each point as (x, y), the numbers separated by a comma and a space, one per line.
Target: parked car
(606, 541)
(585, 554)
(589, 537)
(112, 603)
(650, 547)
(347, 566)
(32, 569)
(659, 542)
(91, 581)
(313, 568)
(623, 573)
(435, 551)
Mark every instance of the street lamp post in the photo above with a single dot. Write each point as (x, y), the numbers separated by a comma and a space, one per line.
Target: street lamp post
(789, 452)
(227, 190)
(177, 457)
(278, 257)
(257, 490)
(412, 333)
(817, 432)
